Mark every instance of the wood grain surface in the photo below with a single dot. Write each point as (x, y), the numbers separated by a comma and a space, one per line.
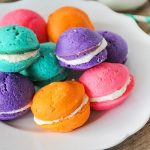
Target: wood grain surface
(140, 140)
(7, 1)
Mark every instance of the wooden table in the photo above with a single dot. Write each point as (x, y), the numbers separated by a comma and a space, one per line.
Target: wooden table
(140, 140)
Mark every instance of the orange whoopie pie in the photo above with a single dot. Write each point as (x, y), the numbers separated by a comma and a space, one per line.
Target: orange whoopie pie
(61, 106)
(65, 18)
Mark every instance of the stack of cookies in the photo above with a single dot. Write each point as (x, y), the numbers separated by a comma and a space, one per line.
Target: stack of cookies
(37, 59)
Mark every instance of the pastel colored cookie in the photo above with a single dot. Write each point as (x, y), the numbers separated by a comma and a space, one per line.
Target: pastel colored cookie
(28, 19)
(19, 48)
(16, 93)
(107, 85)
(46, 69)
(117, 47)
(81, 48)
(61, 106)
(65, 18)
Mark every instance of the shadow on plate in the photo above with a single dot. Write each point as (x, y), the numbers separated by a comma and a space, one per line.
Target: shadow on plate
(25, 123)
(95, 115)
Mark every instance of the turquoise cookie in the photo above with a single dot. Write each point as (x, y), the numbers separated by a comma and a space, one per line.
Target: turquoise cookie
(61, 76)
(19, 48)
(46, 69)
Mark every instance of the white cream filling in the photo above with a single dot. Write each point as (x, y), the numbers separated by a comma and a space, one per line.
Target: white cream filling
(18, 57)
(114, 95)
(16, 111)
(42, 122)
(86, 58)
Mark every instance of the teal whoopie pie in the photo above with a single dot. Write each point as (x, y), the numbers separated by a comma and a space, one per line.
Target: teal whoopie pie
(19, 48)
(46, 69)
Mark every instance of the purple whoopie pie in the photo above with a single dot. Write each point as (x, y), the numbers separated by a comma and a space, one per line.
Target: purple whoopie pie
(16, 92)
(117, 47)
(81, 48)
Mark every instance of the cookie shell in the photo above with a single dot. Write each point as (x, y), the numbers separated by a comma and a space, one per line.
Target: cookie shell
(76, 41)
(28, 19)
(104, 80)
(49, 100)
(117, 47)
(46, 67)
(16, 91)
(57, 101)
(17, 40)
(65, 18)
(111, 104)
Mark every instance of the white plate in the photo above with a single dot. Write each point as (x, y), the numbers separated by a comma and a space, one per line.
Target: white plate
(124, 5)
(104, 129)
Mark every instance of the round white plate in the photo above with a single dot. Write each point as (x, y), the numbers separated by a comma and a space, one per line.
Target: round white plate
(104, 129)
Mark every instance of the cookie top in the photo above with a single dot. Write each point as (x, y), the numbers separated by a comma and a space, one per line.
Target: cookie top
(47, 65)
(117, 47)
(77, 40)
(17, 40)
(16, 91)
(104, 79)
(57, 100)
(65, 18)
(47, 48)
(29, 19)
